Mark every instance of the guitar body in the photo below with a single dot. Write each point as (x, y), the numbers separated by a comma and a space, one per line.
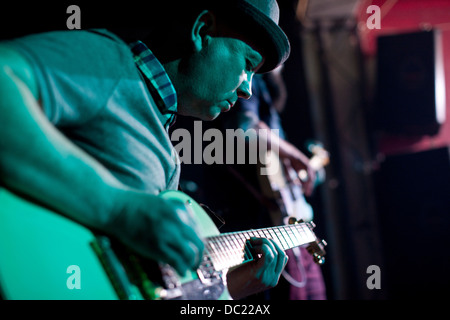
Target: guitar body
(38, 246)
(214, 286)
(44, 255)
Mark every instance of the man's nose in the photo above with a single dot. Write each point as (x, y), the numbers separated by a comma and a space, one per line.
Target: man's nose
(245, 89)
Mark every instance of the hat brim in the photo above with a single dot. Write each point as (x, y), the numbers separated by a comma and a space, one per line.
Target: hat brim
(267, 36)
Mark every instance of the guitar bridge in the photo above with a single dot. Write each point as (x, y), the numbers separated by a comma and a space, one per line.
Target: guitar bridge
(172, 283)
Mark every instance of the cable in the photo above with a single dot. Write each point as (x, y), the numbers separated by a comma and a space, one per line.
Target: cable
(299, 284)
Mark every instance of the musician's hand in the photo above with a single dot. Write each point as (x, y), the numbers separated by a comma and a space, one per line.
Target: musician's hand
(258, 275)
(160, 229)
(299, 162)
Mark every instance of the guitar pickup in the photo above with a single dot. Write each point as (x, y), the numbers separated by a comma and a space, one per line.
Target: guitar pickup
(207, 273)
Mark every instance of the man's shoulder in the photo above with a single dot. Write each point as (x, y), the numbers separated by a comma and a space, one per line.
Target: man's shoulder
(13, 63)
(77, 45)
(75, 69)
(76, 55)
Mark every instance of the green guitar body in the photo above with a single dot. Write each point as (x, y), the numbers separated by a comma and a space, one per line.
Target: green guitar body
(44, 255)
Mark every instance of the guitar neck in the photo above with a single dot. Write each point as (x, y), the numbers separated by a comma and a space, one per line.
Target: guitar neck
(228, 249)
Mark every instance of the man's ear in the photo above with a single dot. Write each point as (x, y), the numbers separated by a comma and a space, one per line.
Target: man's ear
(204, 26)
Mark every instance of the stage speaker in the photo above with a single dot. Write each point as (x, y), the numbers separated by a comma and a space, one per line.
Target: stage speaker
(414, 213)
(410, 96)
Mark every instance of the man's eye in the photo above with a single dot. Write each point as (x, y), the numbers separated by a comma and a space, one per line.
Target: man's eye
(249, 66)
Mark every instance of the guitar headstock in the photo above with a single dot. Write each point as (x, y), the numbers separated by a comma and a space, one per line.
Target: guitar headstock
(317, 247)
(320, 156)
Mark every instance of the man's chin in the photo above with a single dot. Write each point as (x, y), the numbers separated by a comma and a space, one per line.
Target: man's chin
(213, 114)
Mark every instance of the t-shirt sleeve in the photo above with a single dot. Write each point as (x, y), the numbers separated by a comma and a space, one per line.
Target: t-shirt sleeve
(74, 84)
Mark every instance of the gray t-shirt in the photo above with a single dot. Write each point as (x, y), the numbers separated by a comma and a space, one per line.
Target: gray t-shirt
(92, 91)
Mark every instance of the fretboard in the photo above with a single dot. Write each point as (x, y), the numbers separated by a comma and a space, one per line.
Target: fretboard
(228, 249)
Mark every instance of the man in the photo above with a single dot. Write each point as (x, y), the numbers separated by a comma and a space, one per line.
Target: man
(84, 118)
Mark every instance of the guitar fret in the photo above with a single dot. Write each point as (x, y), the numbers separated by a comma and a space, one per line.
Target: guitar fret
(243, 238)
(252, 233)
(300, 233)
(236, 251)
(240, 245)
(214, 255)
(280, 237)
(286, 244)
(291, 237)
(267, 234)
(295, 235)
(274, 236)
(261, 233)
(220, 252)
(288, 238)
(306, 232)
(229, 249)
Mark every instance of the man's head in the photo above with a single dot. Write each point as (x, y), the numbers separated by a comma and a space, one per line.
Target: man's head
(222, 44)
(255, 22)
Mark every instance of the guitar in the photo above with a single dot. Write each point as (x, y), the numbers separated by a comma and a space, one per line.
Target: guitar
(284, 187)
(284, 192)
(44, 255)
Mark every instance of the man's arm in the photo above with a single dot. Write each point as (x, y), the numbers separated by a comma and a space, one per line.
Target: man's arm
(288, 152)
(247, 119)
(36, 159)
(39, 161)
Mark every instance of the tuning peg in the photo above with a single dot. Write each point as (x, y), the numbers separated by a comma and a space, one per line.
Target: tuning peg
(293, 220)
(319, 259)
(312, 224)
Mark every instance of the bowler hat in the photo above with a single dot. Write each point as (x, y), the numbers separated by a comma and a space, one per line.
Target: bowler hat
(258, 21)
(263, 17)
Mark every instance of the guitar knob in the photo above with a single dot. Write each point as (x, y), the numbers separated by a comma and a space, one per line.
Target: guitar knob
(319, 259)
(303, 175)
(292, 220)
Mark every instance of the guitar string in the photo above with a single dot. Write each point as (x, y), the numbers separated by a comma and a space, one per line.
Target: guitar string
(228, 249)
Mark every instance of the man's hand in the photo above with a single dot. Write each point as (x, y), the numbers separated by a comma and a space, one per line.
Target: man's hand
(299, 161)
(288, 153)
(160, 229)
(258, 275)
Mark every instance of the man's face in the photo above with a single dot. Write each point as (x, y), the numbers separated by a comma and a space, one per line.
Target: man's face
(214, 78)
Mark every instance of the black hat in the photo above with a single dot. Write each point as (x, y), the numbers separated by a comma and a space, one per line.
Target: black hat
(261, 18)
(258, 21)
